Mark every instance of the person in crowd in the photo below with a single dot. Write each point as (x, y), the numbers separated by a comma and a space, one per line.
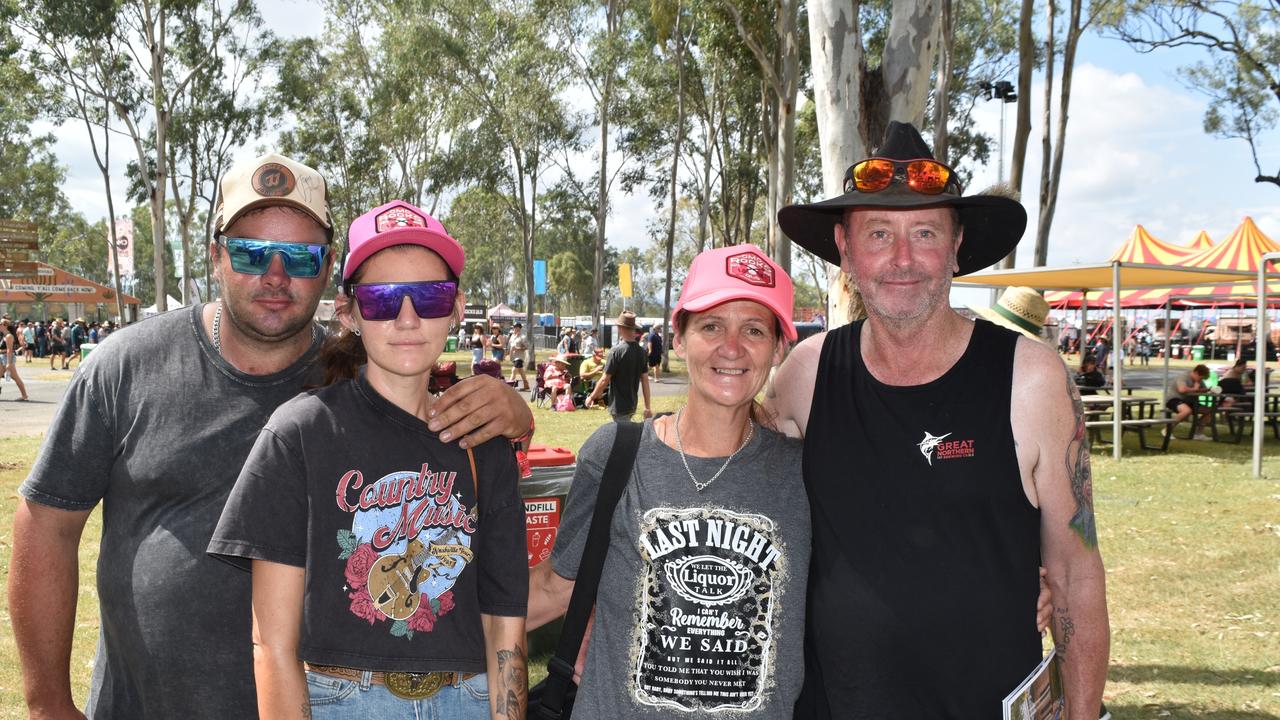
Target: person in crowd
(699, 538)
(943, 458)
(479, 341)
(1182, 398)
(9, 355)
(1089, 378)
(519, 346)
(1237, 379)
(562, 346)
(624, 372)
(417, 608)
(28, 340)
(42, 339)
(496, 344)
(57, 345)
(555, 378)
(1102, 353)
(175, 639)
(653, 345)
(77, 334)
(592, 368)
(589, 343)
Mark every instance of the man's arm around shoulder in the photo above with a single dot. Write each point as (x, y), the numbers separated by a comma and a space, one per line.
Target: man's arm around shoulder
(1053, 446)
(789, 395)
(44, 583)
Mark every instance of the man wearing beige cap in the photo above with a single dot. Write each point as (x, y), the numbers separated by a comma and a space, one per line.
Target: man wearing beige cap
(155, 426)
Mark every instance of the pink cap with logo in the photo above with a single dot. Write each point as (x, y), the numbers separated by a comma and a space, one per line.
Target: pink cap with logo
(738, 272)
(399, 223)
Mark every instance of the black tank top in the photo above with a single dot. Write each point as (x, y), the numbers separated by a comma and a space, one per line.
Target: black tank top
(923, 579)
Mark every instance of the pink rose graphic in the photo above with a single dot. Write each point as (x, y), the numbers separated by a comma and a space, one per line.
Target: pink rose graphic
(446, 603)
(422, 620)
(358, 566)
(362, 607)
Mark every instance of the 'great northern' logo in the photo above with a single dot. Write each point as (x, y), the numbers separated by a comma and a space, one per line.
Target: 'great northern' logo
(937, 446)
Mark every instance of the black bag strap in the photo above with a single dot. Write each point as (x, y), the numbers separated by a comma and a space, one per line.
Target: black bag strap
(616, 473)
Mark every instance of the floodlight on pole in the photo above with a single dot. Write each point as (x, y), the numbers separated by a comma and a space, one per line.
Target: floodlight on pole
(1001, 90)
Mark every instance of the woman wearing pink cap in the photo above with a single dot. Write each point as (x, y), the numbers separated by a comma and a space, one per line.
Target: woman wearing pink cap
(389, 567)
(700, 606)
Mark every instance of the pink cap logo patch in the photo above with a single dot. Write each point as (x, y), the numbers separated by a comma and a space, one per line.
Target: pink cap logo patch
(750, 268)
(398, 217)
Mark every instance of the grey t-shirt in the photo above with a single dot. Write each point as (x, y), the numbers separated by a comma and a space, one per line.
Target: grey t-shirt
(701, 602)
(624, 364)
(1185, 380)
(156, 425)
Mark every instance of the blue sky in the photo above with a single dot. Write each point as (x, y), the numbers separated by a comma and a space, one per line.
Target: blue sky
(1135, 153)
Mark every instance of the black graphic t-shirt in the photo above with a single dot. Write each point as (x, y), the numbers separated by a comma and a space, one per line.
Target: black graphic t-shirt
(401, 559)
(700, 610)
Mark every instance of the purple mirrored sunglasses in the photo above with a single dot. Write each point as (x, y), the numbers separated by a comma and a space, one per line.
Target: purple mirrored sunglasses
(382, 301)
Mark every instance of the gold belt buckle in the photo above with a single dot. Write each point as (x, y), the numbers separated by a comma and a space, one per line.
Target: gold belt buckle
(414, 686)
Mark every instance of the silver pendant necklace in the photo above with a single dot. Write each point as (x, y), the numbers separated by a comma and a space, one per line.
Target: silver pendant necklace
(217, 328)
(751, 429)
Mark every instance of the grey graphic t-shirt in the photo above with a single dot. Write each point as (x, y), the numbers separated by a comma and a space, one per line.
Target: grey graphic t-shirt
(701, 603)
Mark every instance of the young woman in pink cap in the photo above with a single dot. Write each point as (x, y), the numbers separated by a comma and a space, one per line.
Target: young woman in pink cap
(389, 567)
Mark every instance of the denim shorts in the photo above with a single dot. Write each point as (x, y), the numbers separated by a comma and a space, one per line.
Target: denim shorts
(338, 699)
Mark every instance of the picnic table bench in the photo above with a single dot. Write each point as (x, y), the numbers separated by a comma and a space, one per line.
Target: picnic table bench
(1137, 415)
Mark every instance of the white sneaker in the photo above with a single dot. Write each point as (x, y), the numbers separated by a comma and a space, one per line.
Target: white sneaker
(1201, 436)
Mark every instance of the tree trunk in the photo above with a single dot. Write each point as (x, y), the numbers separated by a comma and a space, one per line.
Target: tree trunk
(909, 51)
(1074, 30)
(679, 38)
(612, 13)
(942, 88)
(1046, 143)
(835, 45)
(155, 31)
(789, 76)
(1022, 125)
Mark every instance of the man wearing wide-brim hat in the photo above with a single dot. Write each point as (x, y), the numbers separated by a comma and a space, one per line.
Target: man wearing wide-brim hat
(624, 371)
(944, 458)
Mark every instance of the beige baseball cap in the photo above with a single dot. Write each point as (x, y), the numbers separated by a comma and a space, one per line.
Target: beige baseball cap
(271, 180)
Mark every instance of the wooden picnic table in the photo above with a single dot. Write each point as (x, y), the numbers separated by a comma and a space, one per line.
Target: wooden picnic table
(1137, 414)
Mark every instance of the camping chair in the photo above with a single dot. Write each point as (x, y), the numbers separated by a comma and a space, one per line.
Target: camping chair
(541, 396)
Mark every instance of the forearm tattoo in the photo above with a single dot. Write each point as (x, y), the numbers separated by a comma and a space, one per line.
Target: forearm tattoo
(1081, 474)
(1066, 628)
(513, 683)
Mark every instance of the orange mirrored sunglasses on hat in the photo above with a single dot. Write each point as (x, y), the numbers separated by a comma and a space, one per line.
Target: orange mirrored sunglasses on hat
(925, 176)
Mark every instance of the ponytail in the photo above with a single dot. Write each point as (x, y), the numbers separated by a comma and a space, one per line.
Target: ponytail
(341, 357)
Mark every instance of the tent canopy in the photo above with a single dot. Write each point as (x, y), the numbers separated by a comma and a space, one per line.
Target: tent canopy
(1201, 242)
(1090, 277)
(173, 304)
(502, 312)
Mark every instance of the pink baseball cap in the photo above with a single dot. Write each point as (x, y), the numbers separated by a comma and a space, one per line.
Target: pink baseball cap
(399, 223)
(738, 272)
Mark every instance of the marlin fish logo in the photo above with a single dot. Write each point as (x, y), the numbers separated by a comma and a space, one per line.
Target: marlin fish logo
(929, 443)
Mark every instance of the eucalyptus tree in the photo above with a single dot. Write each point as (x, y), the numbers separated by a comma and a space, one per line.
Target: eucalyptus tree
(155, 51)
(1241, 74)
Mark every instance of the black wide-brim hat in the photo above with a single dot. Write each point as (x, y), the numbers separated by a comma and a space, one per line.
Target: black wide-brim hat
(993, 224)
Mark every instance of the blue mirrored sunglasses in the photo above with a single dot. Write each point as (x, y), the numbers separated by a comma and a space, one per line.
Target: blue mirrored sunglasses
(252, 256)
(382, 301)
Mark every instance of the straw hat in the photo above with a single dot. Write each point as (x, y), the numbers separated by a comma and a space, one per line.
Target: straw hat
(1020, 309)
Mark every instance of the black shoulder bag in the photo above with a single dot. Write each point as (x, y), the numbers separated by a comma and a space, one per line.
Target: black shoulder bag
(552, 699)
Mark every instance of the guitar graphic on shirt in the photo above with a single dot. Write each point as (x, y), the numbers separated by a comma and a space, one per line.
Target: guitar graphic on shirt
(395, 580)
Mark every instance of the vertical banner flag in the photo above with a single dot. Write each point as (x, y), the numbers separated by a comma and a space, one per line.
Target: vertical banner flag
(539, 277)
(124, 247)
(624, 279)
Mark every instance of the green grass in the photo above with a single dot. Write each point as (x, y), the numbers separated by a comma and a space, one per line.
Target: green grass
(1190, 540)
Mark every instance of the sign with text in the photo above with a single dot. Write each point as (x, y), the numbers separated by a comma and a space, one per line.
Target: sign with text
(474, 312)
(124, 247)
(541, 519)
(17, 230)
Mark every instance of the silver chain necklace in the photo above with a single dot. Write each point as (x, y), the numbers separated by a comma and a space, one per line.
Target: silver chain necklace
(217, 328)
(751, 429)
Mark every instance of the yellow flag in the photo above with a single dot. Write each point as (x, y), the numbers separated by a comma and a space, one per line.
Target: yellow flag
(624, 279)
